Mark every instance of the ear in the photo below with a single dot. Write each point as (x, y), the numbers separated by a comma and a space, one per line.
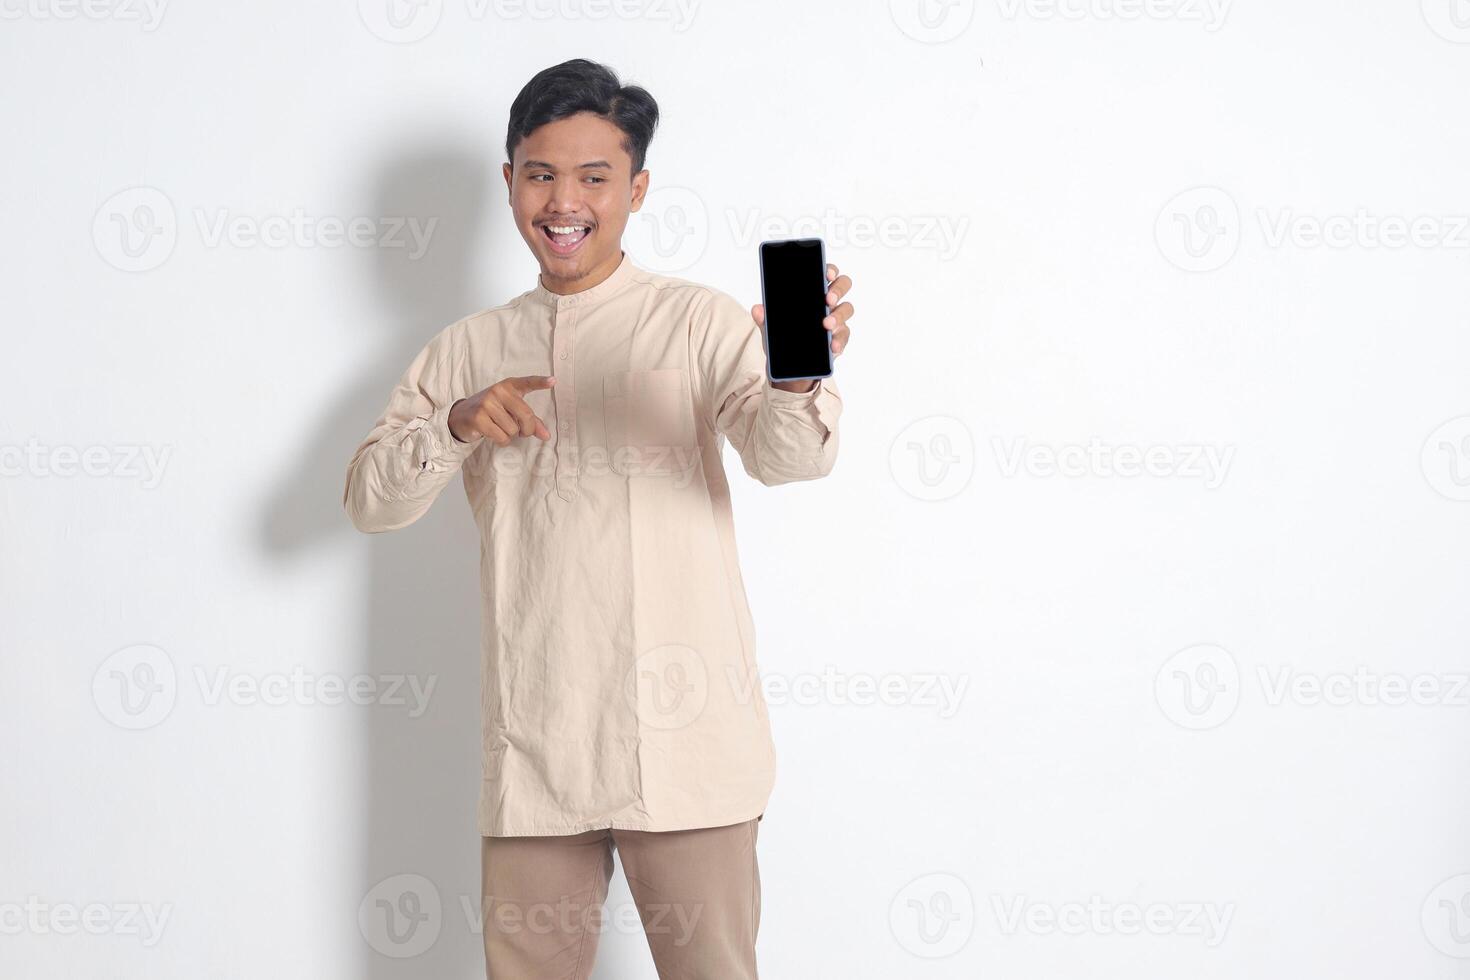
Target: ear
(640, 190)
(506, 169)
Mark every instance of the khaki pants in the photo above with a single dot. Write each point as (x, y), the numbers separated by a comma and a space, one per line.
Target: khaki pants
(698, 895)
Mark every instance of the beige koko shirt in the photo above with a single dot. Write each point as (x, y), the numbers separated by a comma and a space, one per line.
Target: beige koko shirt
(618, 672)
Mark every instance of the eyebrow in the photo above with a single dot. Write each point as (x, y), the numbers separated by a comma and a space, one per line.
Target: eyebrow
(595, 164)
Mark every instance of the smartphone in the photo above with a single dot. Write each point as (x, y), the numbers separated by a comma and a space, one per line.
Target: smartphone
(794, 292)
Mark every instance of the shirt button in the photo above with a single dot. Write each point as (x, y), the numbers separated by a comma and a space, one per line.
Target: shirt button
(563, 355)
(565, 426)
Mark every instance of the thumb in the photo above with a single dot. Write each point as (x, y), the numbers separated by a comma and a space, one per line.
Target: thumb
(759, 312)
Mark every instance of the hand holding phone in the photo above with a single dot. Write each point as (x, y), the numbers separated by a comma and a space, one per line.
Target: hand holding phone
(803, 332)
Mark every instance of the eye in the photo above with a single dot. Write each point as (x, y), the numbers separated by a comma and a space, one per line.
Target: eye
(539, 176)
(597, 180)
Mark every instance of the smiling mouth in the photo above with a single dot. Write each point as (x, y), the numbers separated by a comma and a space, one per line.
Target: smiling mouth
(566, 239)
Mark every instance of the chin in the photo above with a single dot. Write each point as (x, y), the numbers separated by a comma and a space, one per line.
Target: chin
(556, 267)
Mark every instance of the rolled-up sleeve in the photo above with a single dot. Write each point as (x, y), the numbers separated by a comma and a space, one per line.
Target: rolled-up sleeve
(781, 436)
(410, 455)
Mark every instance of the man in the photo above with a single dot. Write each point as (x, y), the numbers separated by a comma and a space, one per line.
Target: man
(621, 702)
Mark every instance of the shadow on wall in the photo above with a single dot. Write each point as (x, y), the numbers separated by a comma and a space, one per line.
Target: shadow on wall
(421, 604)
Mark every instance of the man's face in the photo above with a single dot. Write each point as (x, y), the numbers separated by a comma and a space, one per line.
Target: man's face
(574, 174)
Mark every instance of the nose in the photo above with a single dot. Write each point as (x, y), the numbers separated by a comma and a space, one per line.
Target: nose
(566, 197)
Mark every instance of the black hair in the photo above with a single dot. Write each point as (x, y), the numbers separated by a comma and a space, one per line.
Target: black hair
(577, 86)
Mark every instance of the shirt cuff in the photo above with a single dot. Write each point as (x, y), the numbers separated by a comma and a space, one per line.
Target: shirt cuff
(435, 446)
(793, 399)
(823, 402)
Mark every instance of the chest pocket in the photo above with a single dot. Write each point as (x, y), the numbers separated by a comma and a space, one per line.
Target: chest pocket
(649, 417)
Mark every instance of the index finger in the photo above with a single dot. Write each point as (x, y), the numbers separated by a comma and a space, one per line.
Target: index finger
(533, 382)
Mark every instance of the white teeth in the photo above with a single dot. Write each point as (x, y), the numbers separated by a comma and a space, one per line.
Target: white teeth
(565, 229)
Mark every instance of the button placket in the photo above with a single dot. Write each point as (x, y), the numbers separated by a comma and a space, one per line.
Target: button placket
(565, 392)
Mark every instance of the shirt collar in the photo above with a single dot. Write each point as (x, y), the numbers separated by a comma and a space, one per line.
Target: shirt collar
(595, 294)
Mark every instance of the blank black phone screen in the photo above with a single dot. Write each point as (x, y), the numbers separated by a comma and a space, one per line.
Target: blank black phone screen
(794, 284)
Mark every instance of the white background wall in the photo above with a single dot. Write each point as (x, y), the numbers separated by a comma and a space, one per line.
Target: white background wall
(1097, 241)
